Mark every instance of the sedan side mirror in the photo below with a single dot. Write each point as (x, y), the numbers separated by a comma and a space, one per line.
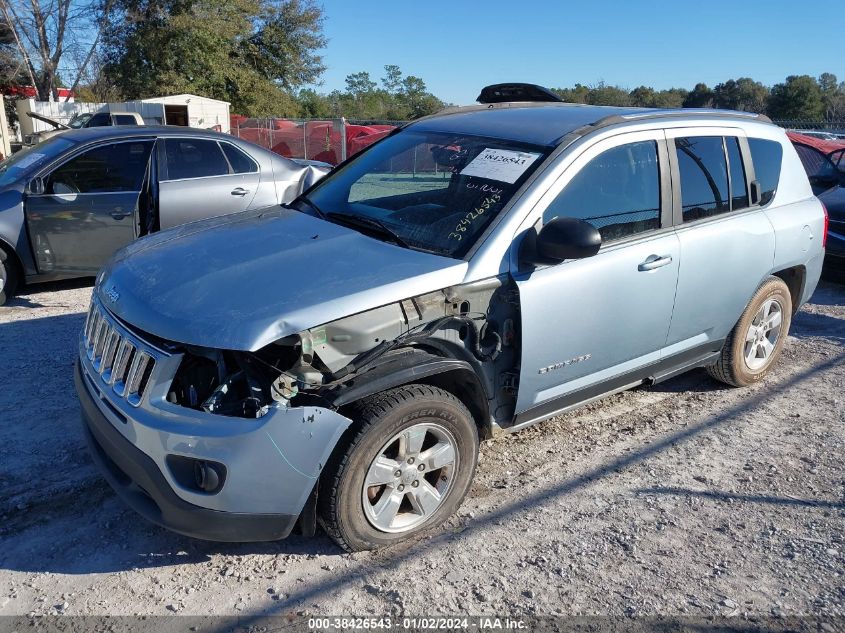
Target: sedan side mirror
(36, 186)
(563, 238)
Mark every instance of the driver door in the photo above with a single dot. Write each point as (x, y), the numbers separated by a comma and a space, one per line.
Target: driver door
(89, 206)
(588, 324)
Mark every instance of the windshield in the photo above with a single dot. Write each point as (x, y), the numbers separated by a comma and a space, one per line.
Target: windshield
(79, 120)
(30, 159)
(429, 191)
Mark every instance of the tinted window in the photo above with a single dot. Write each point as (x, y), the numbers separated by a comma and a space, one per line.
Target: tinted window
(194, 158)
(102, 119)
(815, 163)
(704, 176)
(739, 185)
(240, 162)
(767, 156)
(124, 119)
(618, 192)
(105, 169)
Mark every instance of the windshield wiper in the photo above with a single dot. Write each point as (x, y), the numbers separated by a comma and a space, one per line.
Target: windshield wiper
(369, 223)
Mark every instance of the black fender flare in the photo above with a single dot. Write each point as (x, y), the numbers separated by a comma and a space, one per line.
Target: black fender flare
(409, 365)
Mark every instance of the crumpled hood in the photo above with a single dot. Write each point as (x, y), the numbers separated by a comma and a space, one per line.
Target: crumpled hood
(242, 281)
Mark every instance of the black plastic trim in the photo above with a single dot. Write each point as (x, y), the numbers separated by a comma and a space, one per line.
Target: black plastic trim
(405, 367)
(138, 481)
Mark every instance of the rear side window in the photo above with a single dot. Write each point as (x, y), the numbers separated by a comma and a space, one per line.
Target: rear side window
(739, 185)
(240, 162)
(103, 119)
(815, 163)
(124, 119)
(194, 158)
(704, 176)
(618, 192)
(115, 168)
(767, 157)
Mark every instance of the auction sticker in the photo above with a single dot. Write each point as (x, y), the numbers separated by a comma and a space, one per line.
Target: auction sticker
(499, 164)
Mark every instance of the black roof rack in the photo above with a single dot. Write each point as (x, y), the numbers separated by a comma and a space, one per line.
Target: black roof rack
(503, 93)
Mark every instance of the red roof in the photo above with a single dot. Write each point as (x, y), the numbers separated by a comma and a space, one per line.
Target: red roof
(826, 147)
(28, 92)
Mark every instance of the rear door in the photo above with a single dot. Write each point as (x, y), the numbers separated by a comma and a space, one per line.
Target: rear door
(203, 178)
(727, 244)
(88, 208)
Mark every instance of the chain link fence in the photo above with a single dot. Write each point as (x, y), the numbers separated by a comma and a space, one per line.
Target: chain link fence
(834, 129)
(326, 140)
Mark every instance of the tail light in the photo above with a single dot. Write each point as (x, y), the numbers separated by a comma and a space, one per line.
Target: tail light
(826, 226)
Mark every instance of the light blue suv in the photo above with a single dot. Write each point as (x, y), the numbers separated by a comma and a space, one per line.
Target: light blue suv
(338, 359)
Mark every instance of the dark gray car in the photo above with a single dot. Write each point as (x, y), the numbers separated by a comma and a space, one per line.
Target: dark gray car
(70, 202)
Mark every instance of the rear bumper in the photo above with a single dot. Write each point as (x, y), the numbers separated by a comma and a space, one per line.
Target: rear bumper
(138, 481)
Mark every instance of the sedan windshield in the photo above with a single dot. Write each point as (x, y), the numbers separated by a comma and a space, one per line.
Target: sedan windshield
(427, 191)
(79, 120)
(30, 159)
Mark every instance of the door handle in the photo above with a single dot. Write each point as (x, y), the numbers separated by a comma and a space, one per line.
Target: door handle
(655, 261)
(119, 215)
(239, 191)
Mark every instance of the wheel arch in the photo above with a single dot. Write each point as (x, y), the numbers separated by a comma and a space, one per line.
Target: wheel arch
(412, 365)
(795, 279)
(9, 253)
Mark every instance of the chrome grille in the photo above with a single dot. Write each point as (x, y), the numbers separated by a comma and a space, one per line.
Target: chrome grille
(119, 358)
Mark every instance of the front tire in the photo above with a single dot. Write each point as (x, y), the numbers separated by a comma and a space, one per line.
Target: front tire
(9, 276)
(757, 339)
(406, 468)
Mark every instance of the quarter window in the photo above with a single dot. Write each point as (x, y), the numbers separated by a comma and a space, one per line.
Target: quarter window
(767, 157)
(618, 192)
(704, 176)
(119, 167)
(194, 158)
(240, 162)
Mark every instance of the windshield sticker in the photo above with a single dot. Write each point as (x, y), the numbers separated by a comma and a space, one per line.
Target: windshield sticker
(26, 161)
(500, 164)
(470, 217)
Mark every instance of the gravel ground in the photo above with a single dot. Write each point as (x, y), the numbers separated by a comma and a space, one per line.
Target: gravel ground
(687, 498)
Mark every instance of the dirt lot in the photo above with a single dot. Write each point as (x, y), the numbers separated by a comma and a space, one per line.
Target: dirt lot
(687, 498)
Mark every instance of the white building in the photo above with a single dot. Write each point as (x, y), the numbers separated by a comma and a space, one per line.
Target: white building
(189, 110)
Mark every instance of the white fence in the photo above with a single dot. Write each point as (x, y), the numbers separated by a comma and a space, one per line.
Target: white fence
(198, 111)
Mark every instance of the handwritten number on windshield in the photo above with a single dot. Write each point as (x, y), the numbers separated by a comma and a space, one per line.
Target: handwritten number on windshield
(470, 217)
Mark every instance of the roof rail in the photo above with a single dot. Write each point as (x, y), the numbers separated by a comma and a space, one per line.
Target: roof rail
(503, 93)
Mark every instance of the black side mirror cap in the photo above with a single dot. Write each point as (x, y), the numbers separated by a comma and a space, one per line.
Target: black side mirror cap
(756, 192)
(561, 239)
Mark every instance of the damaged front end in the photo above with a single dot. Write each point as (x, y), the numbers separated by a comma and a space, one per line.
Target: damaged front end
(468, 329)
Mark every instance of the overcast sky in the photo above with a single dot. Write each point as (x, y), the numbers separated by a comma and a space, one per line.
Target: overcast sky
(458, 46)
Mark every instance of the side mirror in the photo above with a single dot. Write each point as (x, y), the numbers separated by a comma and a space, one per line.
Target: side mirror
(564, 238)
(36, 186)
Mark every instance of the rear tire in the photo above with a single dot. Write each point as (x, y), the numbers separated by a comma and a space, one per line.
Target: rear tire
(406, 468)
(9, 276)
(757, 339)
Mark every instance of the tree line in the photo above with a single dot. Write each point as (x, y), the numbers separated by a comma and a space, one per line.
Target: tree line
(798, 97)
(262, 56)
